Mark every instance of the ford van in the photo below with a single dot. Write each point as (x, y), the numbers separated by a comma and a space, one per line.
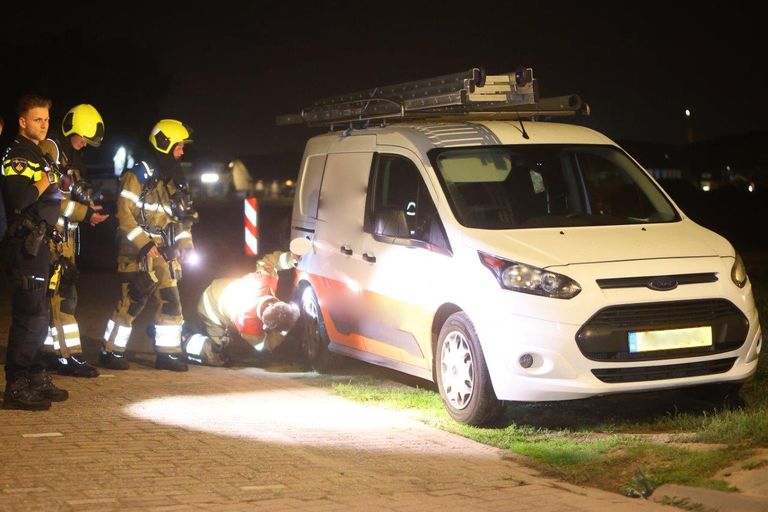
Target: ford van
(511, 260)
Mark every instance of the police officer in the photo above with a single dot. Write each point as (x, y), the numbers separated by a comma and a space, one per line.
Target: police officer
(155, 218)
(246, 306)
(31, 196)
(82, 126)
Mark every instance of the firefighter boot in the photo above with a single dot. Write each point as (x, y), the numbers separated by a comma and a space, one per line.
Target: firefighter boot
(42, 383)
(173, 362)
(19, 395)
(76, 366)
(113, 360)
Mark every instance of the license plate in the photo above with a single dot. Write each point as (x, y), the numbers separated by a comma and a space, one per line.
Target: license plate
(647, 341)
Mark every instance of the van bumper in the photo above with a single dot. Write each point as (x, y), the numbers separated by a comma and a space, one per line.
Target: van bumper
(561, 372)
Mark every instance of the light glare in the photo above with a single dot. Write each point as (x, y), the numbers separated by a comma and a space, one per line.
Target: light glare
(209, 177)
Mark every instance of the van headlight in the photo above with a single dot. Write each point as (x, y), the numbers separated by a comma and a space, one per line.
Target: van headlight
(739, 272)
(524, 278)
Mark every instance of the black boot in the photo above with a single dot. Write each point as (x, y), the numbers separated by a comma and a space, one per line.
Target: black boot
(42, 383)
(173, 362)
(19, 395)
(76, 366)
(113, 360)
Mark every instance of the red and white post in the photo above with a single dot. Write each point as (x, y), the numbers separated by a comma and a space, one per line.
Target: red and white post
(251, 220)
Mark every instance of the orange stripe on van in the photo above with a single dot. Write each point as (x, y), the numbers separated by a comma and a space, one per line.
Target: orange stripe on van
(367, 306)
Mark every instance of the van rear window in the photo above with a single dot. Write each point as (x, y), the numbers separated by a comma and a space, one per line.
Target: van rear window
(548, 185)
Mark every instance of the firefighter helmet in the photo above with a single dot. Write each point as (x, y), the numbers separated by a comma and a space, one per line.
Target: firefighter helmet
(168, 132)
(84, 120)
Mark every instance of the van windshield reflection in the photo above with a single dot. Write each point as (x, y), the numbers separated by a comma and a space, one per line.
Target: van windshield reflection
(548, 185)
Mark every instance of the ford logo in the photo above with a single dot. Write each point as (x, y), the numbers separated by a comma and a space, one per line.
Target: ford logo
(662, 284)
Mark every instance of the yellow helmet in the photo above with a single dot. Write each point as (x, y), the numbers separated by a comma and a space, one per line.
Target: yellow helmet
(168, 132)
(84, 120)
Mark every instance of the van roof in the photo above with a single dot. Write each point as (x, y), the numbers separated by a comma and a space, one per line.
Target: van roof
(423, 136)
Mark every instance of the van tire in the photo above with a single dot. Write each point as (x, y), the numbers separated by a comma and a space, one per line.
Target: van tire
(313, 335)
(470, 399)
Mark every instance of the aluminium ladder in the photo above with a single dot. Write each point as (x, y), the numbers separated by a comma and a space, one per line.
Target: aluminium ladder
(466, 95)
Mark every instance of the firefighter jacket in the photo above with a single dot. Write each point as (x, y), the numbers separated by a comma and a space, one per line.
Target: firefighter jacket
(72, 168)
(23, 166)
(238, 302)
(145, 215)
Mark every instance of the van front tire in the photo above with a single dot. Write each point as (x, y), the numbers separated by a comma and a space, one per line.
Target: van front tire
(462, 375)
(314, 337)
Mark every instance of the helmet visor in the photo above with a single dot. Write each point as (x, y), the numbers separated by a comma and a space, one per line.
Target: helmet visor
(95, 139)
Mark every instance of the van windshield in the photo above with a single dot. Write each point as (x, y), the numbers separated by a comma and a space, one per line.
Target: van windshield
(548, 185)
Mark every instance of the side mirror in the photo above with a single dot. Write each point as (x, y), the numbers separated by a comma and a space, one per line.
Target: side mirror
(391, 223)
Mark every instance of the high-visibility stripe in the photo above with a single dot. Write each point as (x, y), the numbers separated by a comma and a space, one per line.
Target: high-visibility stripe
(72, 225)
(70, 209)
(195, 344)
(50, 339)
(134, 233)
(108, 330)
(122, 334)
(212, 316)
(72, 343)
(71, 335)
(70, 328)
(182, 236)
(129, 195)
(168, 336)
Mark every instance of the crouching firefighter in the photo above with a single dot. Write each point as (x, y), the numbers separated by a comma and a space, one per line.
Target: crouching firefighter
(155, 217)
(244, 306)
(31, 196)
(82, 126)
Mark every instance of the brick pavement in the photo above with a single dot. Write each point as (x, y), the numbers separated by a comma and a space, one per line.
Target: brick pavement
(249, 439)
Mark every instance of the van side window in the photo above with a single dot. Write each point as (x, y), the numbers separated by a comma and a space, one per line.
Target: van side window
(400, 195)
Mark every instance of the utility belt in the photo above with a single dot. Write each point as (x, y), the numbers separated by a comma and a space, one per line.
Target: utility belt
(34, 232)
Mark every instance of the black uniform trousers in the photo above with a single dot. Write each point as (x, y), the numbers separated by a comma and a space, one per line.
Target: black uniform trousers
(30, 313)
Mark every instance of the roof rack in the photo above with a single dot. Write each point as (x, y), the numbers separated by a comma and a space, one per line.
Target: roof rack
(468, 95)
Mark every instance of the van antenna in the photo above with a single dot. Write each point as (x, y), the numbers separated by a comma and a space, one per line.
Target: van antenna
(522, 127)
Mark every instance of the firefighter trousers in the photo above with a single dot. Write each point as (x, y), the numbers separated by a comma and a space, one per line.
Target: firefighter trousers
(137, 286)
(64, 334)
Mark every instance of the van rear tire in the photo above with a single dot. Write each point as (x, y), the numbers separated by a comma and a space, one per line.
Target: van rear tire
(462, 375)
(314, 339)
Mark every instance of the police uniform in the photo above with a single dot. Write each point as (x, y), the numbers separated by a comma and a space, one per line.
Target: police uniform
(147, 217)
(26, 259)
(63, 340)
(236, 304)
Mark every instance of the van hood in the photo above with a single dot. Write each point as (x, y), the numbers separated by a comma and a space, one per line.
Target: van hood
(546, 247)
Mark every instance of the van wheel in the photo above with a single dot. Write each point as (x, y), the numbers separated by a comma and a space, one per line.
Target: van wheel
(314, 337)
(462, 375)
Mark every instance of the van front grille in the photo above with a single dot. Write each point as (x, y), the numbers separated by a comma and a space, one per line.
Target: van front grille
(605, 336)
(672, 371)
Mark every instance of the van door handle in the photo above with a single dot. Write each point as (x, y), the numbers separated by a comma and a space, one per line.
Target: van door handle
(346, 249)
(369, 257)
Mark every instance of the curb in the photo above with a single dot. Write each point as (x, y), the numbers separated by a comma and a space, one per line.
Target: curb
(710, 499)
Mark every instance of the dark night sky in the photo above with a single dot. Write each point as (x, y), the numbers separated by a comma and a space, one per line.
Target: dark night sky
(228, 69)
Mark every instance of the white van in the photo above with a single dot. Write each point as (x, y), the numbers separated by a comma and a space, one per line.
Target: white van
(512, 261)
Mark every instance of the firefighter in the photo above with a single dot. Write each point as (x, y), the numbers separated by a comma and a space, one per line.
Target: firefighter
(246, 306)
(82, 126)
(31, 197)
(155, 217)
